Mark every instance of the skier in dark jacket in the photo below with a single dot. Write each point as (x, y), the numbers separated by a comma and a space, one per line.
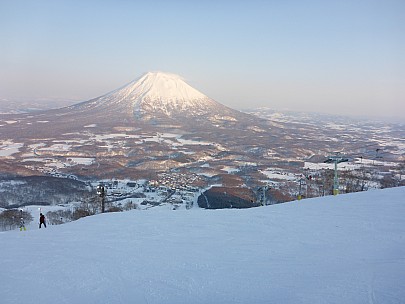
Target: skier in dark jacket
(42, 220)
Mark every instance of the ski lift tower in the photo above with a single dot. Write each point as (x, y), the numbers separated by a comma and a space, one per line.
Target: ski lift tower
(101, 192)
(263, 191)
(336, 159)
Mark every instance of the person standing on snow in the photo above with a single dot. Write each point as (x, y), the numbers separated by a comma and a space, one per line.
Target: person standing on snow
(42, 220)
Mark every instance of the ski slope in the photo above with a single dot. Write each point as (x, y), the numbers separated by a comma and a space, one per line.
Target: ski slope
(344, 249)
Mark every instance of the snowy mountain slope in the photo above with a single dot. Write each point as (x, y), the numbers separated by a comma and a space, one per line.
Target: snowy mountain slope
(344, 249)
(157, 93)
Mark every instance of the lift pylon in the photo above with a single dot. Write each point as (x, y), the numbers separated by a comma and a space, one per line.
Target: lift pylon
(336, 159)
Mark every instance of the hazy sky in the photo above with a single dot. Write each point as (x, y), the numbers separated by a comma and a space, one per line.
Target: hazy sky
(343, 56)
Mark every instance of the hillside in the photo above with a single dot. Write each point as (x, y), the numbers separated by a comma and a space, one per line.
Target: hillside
(338, 249)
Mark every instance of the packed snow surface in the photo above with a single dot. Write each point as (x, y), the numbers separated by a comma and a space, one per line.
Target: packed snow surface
(338, 249)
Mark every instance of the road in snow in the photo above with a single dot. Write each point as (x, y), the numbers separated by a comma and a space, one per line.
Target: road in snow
(344, 249)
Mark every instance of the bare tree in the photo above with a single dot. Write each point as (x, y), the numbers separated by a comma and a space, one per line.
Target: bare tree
(59, 217)
(12, 219)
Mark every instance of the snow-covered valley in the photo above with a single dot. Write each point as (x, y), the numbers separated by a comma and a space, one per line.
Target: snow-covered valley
(158, 125)
(336, 249)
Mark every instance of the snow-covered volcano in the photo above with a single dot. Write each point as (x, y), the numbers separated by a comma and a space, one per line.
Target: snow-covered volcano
(158, 94)
(156, 100)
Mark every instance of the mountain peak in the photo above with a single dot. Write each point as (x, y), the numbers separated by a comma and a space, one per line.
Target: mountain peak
(160, 74)
(159, 95)
(164, 86)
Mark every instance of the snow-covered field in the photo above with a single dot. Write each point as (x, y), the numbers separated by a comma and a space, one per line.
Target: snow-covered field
(338, 249)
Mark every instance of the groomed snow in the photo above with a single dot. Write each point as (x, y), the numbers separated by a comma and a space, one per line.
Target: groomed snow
(338, 249)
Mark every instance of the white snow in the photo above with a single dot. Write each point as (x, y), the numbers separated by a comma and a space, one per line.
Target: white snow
(341, 166)
(157, 92)
(337, 249)
(99, 137)
(81, 160)
(56, 147)
(271, 174)
(230, 169)
(8, 148)
(159, 85)
(193, 142)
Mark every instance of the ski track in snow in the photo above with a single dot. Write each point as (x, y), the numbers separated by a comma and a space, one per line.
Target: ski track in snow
(338, 249)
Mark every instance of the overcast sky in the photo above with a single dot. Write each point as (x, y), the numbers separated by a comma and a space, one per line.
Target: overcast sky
(343, 56)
